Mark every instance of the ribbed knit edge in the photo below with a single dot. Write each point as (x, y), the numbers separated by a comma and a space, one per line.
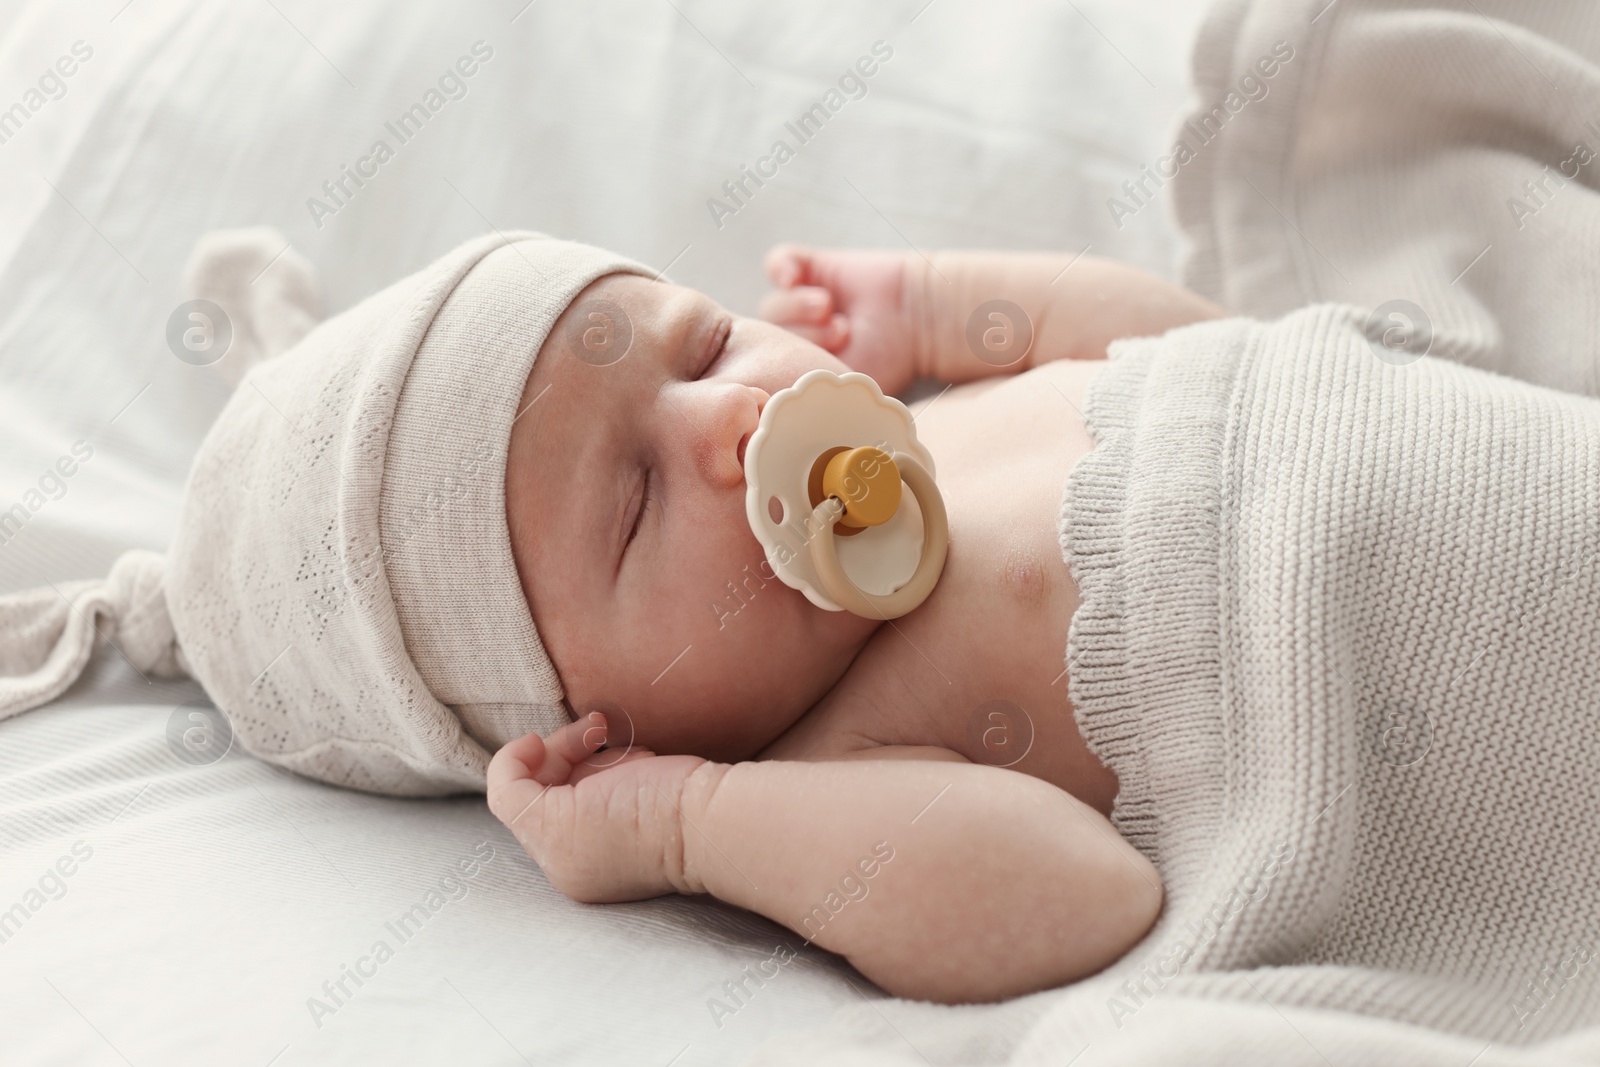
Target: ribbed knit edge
(1091, 543)
(1140, 530)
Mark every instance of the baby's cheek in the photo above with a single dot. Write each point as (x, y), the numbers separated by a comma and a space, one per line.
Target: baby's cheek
(717, 575)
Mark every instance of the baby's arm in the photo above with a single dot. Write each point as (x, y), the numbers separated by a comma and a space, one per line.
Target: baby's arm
(1076, 308)
(899, 316)
(999, 884)
(985, 883)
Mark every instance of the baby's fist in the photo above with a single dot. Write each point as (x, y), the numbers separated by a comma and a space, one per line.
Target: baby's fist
(602, 830)
(850, 302)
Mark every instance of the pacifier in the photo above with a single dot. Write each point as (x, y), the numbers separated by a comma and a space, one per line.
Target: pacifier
(824, 471)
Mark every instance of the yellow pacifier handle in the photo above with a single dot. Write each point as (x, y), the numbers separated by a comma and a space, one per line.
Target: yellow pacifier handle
(866, 482)
(863, 484)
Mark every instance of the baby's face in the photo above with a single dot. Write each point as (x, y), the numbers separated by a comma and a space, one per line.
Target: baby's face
(625, 497)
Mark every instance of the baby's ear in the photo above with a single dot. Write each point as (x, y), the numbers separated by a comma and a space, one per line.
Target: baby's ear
(266, 288)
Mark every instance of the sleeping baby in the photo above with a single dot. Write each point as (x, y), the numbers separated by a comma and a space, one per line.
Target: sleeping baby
(444, 523)
(763, 754)
(488, 530)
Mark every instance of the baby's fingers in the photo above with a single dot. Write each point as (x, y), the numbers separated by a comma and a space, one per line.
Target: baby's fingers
(547, 760)
(524, 770)
(788, 265)
(831, 331)
(804, 304)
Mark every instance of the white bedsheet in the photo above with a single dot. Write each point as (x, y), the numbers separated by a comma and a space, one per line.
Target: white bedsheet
(215, 900)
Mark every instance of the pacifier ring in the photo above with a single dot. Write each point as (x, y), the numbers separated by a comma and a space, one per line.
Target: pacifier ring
(935, 547)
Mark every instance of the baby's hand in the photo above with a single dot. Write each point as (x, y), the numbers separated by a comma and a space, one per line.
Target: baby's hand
(850, 302)
(602, 830)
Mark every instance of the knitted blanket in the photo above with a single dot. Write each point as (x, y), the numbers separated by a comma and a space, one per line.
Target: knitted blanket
(1340, 635)
(1340, 640)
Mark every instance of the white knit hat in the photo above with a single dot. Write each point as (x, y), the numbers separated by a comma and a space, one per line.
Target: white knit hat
(342, 582)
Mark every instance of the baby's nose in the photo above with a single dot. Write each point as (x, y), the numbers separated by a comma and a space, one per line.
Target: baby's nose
(733, 415)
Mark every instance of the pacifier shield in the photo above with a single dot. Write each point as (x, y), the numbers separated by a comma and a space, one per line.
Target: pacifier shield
(822, 413)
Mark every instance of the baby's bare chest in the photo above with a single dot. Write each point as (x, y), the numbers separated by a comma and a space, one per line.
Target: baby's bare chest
(980, 667)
